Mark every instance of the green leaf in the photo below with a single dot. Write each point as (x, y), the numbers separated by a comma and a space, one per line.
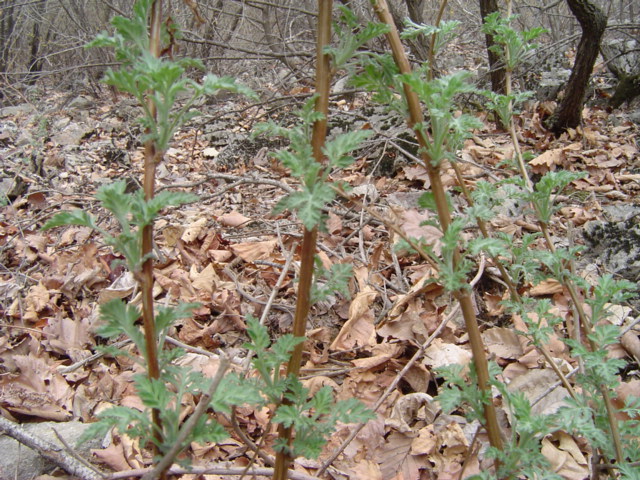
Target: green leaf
(75, 217)
(492, 246)
(120, 318)
(148, 210)
(208, 431)
(235, 391)
(167, 316)
(114, 199)
(258, 334)
(308, 203)
(330, 282)
(337, 149)
(153, 392)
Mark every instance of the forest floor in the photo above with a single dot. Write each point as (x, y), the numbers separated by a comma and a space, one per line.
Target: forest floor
(227, 252)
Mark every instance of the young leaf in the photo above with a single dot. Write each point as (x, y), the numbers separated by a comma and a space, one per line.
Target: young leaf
(75, 217)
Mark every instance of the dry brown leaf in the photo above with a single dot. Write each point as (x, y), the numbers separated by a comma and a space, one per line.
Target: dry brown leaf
(547, 160)
(503, 342)
(334, 223)
(122, 287)
(172, 234)
(358, 329)
(412, 225)
(251, 251)
(566, 458)
(426, 441)
(440, 354)
(194, 231)
(36, 301)
(624, 391)
(233, 219)
(68, 336)
(631, 343)
(452, 447)
(405, 411)
(420, 287)
(382, 353)
(396, 461)
(316, 382)
(546, 287)
(417, 173)
(367, 469)
(114, 457)
(534, 384)
(206, 280)
(418, 377)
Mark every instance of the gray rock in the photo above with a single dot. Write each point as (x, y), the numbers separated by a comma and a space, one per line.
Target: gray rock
(72, 134)
(21, 463)
(16, 110)
(82, 103)
(616, 246)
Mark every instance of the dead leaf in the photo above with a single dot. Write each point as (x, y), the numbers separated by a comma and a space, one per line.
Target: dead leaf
(194, 230)
(358, 329)
(122, 287)
(546, 287)
(206, 280)
(440, 354)
(503, 342)
(233, 219)
(548, 160)
(36, 301)
(405, 411)
(251, 251)
(413, 226)
(565, 458)
(396, 461)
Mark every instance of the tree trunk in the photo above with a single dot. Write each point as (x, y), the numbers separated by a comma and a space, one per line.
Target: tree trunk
(7, 25)
(593, 22)
(496, 69)
(35, 58)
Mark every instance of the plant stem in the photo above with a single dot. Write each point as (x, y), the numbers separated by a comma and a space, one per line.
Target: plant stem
(463, 295)
(309, 238)
(151, 158)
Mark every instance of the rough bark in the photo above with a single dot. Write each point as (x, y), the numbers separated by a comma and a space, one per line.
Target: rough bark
(593, 22)
(496, 69)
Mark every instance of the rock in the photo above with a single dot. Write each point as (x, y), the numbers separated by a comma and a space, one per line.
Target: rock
(82, 103)
(21, 463)
(72, 134)
(11, 188)
(17, 110)
(616, 245)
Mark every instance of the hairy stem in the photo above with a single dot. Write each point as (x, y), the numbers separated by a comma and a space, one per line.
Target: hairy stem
(309, 239)
(151, 158)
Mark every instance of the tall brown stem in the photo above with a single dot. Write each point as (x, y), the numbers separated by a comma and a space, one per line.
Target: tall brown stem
(463, 295)
(151, 158)
(309, 239)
